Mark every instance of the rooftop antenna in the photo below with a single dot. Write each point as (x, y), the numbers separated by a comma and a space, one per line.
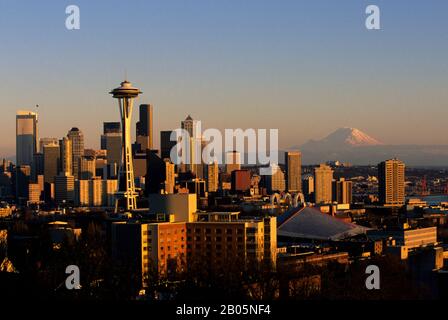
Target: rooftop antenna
(37, 108)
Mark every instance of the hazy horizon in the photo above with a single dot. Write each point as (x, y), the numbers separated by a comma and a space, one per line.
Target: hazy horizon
(304, 68)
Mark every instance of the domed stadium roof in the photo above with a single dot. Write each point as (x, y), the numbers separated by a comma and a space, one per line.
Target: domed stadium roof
(310, 223)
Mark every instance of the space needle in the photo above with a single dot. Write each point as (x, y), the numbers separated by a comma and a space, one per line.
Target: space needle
(126, 197)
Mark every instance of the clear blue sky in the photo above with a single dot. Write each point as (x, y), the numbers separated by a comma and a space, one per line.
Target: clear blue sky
(304, 67)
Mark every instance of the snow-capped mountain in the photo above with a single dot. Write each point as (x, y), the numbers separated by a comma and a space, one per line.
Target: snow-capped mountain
(354, 146)
(343, 138)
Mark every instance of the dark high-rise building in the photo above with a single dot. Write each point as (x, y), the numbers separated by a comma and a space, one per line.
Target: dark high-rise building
(64, 188)
(166, 144)
(26, 137)
(342, 191)
(308, 188)
(197, 186)
(140, 163)
(51, 162)
(23, 174)
(111, 141)
(77, 139)
(113, 146)
(38, 166)
(144, 127)
(293, 176)
(111, 127)
(155, 174)
(391, 178)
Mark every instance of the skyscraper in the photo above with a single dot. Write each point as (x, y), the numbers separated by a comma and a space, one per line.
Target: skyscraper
(391, 178)
(51, 162)
(342, 191)
(308, 187)
(155, 174)
(77, 140)
(233, 161)
(96, 192)
(34, 193)
(275, 182)
(170, 177)
(241, 181)
(111, 127)
(166, 144)
(293, 164)
(109, 190)
(26, 137)
(212, 177)
(194, 153)
(323, 178)
(47, 141)
(64, 188)
(144, 127)
(23, 174)
(87, 168)
(111, 141)
(82, 194)
(126, 184)
(66, 156)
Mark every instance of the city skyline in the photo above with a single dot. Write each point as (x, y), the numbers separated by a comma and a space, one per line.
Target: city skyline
(278, 62)
(263, 154)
